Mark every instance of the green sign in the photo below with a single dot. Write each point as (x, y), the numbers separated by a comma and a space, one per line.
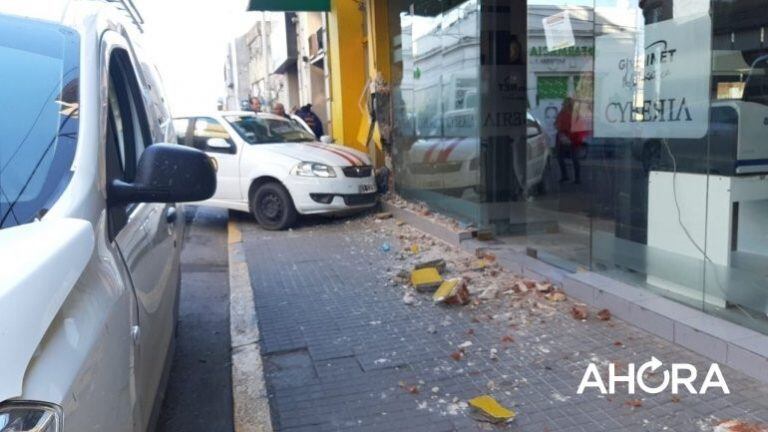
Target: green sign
(290, 5)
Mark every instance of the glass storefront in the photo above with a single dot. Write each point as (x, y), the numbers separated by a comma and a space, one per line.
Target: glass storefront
(626, 137)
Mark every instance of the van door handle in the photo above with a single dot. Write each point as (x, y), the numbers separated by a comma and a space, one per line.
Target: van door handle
(171, 215)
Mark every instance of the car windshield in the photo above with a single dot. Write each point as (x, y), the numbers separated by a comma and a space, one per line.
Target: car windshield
(38, 116)
(263, 130)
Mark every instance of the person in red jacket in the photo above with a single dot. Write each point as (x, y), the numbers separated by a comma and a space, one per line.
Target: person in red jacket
(568, 142)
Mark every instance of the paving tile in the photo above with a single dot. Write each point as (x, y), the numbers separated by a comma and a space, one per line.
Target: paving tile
(338, 342)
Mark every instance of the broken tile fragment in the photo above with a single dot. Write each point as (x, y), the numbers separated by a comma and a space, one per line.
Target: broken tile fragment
(491, 409)
(426, 279)
(453, 292)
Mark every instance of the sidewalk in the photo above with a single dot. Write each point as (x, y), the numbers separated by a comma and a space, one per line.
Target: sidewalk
(342, 351)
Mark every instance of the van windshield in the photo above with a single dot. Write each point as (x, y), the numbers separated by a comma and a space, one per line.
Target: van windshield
(38, 116)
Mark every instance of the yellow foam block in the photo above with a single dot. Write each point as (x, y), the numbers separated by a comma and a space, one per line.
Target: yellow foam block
(425, 278)
(492, 408)
(446, 290)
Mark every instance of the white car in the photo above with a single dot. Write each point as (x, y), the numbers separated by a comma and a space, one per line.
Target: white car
(89, 229)
(452, 163)
(274, 168)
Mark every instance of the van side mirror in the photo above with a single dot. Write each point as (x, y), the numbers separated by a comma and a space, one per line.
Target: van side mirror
(167, 173)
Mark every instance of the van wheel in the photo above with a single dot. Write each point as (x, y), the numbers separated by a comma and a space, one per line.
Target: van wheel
(272, 206)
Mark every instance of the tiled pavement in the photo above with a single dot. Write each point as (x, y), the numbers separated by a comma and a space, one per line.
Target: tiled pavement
(337, 341)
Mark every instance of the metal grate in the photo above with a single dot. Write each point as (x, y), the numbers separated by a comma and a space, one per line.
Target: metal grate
(359, 199)
(358, 171)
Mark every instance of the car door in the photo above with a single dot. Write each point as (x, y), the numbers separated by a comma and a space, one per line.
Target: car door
(143, 232)
(210, 136)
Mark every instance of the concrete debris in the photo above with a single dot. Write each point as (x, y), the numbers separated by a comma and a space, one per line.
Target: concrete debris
(739, 426)
(478, 265)
(412, 389)
(491, 409)
(409, 298)
(579, 312)
(555, 296)
(490, 293)
(604, 315)
(452, 292)
(494, 354)
(438, 264)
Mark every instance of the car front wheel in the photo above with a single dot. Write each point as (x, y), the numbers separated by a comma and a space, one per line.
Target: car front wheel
(272, 206)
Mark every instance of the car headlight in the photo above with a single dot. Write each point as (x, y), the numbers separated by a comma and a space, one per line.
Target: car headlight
(312, 169)
(30, 417)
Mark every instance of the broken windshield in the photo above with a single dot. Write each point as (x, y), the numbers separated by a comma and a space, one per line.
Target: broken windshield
(39, 116)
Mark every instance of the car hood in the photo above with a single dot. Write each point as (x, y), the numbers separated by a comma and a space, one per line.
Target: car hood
(48, 258)
(329, 154)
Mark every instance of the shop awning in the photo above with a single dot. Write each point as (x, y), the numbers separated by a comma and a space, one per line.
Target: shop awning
(290, 5)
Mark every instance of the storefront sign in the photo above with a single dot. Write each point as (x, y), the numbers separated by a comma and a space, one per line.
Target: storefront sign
(574, 51)
(660, 91)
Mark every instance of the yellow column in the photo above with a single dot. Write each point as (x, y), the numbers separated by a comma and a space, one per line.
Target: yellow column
(347, 67)
(378, 39)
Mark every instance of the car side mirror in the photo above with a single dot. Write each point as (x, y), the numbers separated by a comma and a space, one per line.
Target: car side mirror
(325, 139)
(218, 143)
(167, 173)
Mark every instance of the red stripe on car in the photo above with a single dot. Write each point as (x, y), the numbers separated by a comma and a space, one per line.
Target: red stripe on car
(444, 153)
(429, 152)
(351, 154)
(334, 151)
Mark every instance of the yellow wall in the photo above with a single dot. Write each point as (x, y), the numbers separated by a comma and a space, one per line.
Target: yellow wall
(355, 57)
(347, 67)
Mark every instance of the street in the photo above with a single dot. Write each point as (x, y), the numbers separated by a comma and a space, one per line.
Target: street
(199, 392)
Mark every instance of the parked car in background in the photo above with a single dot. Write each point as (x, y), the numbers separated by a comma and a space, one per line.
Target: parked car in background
(90, 231)
(276, 169)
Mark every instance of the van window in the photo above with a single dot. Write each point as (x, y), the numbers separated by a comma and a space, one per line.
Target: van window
(39, 119)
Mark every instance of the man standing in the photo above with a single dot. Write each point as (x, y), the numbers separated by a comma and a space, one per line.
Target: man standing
(255, 104)
(311, 119)
(279, 109)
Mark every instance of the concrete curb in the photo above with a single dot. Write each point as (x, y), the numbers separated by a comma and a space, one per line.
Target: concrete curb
(249, 392)
(422, 223)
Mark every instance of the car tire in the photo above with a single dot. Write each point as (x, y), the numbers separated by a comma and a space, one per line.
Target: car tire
(272, 206)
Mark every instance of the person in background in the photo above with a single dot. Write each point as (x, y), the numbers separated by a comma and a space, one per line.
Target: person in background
(311, 119)
(255, 104)
(279, 109)
(567, 143)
